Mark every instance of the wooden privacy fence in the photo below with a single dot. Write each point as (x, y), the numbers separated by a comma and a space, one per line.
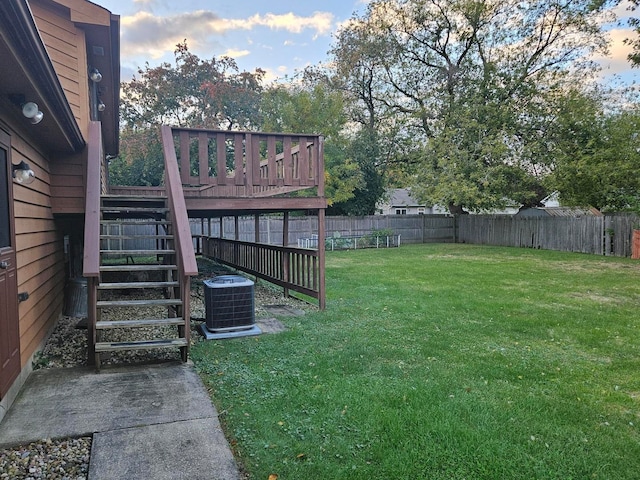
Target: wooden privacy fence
(411, 228)
(292, 268)
(606, 235)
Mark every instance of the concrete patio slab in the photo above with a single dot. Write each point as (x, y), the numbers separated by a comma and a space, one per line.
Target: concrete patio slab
(145, 420)
(189, 450)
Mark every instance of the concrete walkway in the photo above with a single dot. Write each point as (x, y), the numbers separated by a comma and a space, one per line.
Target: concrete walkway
(153, 421)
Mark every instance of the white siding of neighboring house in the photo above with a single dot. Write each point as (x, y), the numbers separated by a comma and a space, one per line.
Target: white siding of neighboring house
(400, 202)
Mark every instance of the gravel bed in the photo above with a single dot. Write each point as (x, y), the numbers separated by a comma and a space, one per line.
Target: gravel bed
(68, 459)
(52, 460)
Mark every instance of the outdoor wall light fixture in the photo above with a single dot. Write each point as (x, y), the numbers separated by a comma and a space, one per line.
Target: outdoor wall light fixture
(22, 173)
(32, 112)
(95, 75)
(101, 106)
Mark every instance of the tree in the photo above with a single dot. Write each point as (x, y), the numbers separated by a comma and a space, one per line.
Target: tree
(192, 93)
(308, 105)
(467, 81)
(598, 154)
(634, 23)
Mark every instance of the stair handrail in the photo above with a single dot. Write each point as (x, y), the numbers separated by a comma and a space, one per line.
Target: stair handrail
(178, 209)
(91, 253)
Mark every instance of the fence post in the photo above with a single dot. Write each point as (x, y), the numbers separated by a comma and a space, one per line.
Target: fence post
(606, 237)
(455, 228)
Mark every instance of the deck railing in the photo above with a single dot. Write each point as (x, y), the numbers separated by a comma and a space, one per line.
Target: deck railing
(246, 164)
(292, 268)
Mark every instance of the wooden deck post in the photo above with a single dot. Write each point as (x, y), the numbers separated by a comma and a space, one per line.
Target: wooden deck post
(322, 301)
(285, 255)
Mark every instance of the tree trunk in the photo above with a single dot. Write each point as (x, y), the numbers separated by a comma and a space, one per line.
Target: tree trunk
(456, 209)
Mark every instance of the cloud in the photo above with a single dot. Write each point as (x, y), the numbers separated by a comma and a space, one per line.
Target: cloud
(320, 22)
(235, 53)
(616, 62)
(155, 36)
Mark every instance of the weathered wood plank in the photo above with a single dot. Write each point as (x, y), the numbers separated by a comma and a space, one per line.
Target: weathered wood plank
(139, 323)
(158, 302)
(271, 160)
(140, 344)
(127, 285)
(238, 154)
(303, 159)
(203, 159)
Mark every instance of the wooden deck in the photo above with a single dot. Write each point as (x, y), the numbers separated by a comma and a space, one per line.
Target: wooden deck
(232, 174)
(227, 173)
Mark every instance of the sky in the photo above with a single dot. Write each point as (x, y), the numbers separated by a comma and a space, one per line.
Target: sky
(278, 36)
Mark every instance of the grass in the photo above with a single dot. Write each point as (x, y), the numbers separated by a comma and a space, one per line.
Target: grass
(443, 362)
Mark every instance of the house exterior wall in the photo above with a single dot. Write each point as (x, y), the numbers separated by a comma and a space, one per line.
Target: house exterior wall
(66, 46)
(39, 249)
(54, 74)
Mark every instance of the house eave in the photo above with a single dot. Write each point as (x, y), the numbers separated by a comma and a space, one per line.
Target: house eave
(22, 38)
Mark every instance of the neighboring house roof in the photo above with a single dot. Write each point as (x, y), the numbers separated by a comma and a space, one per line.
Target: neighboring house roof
(401, 197)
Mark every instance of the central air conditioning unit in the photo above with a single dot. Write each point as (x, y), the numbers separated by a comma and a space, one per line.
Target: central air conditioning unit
(229, 308)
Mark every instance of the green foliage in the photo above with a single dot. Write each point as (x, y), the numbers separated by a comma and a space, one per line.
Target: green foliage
(363, 150)
(141, 160)
(597, 154)
(466, 84)
(311, 105)
(191, 93)
(442, 362)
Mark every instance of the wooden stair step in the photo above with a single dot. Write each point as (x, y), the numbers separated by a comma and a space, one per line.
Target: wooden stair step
(139, 267)
(134, 222)
(133, 197)
(134, 237)
(125, 285)
(138, 252)
(130, 209)
(140, 344)
(157, 302)
(138, 323)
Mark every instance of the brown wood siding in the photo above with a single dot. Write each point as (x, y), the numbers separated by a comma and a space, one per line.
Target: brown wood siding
(39, 250)
(68, 179)
(66, 46)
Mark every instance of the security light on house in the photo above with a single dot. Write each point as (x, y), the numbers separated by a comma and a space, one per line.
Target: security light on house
(22, 173)
(31, 111)
(95, 75)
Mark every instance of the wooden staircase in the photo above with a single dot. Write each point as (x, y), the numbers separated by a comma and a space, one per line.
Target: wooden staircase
(142, 300)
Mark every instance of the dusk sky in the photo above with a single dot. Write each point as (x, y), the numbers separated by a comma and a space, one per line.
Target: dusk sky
(279, 36)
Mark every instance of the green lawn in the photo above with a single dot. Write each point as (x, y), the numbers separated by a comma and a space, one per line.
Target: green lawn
(443, 362)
